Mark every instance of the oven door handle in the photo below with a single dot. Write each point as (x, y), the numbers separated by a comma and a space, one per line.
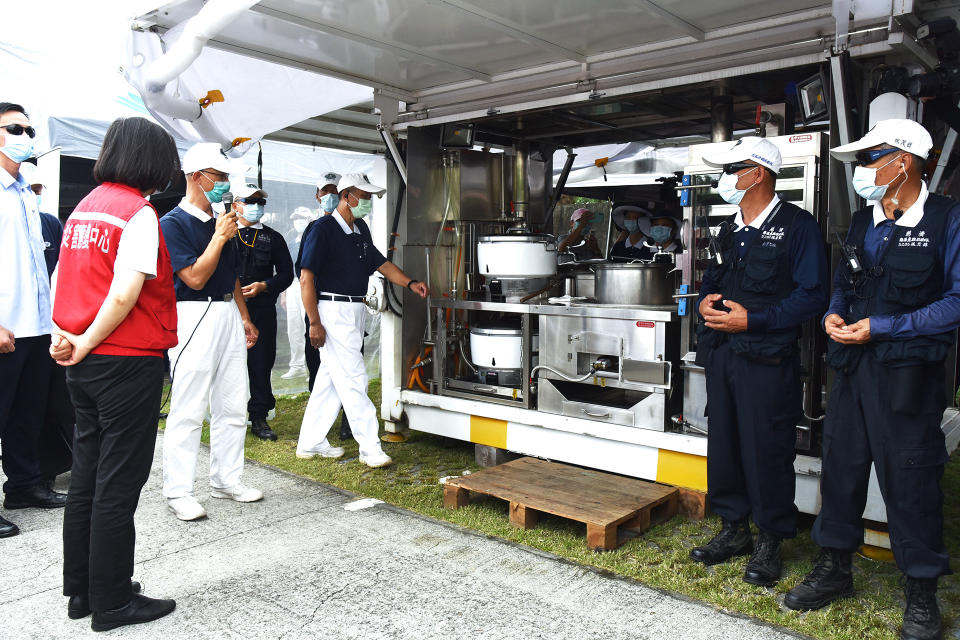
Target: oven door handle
(596, 415)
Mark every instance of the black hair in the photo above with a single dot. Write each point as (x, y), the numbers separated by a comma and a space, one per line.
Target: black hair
(11, 106)
(139, 154)
(344, 193)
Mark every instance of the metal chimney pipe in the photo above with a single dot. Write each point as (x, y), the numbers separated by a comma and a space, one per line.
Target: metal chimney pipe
(521, 191)
(721, 114)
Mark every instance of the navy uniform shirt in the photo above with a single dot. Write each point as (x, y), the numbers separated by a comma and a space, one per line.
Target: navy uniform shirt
(267, 260)
(52, 237)
(187, 237)
(808, 265)
(937, 317)
(341, 261)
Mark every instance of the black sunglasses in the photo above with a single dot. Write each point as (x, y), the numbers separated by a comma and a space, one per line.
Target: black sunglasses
(869, 157)
(18, 129)
(734, 167)
(260, 201)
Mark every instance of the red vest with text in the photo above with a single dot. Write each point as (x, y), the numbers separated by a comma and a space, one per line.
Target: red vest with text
(87, 255)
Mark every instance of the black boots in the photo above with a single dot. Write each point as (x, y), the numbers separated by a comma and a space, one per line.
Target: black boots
(921, 618)
(261, 429)
(765, 564)
(830, 579)
(733, 540)
(79, 606)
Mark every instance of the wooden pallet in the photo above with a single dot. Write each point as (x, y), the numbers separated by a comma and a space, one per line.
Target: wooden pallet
(602, 501)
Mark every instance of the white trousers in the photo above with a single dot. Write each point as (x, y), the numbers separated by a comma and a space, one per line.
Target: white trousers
(341, 380)
(296, 328)
(210, 371)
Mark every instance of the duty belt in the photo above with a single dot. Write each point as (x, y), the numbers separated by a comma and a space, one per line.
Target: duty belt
(336, 298)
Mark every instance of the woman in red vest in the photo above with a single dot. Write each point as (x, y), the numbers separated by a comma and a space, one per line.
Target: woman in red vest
(115, 314)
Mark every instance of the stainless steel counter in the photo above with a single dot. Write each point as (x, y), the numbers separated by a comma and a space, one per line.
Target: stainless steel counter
(659, 313)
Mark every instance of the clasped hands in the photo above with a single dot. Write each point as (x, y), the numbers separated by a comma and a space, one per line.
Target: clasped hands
(839, 331)
(732, 321)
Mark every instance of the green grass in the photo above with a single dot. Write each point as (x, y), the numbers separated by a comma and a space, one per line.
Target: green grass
(657, 558)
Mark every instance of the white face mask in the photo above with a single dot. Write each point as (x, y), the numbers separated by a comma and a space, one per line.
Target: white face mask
(727, 187)
(300, 224)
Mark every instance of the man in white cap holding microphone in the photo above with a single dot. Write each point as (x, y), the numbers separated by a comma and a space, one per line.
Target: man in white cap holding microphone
(771, 278)
(891, 322)
(337, 261)
(208, 367)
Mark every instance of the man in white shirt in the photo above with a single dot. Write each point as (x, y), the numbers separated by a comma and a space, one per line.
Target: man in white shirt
(25, 323)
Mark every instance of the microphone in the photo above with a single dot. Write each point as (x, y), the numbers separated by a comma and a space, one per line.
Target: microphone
(227, 200)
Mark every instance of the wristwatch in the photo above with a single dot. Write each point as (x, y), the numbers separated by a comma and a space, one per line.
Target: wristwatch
(411, 283)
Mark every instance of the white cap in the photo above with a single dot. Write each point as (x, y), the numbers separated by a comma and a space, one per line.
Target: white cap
(748, 148)
(206, 155)
(908, 135)
(330, 177)
(360, 181)
(30, 173)
(245, 190)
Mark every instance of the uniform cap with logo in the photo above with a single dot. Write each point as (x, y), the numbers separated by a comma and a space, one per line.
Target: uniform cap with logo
(207, 155)
(245, 190)
(330, 177)
(908, 135)
(747, 149)
(360, 181)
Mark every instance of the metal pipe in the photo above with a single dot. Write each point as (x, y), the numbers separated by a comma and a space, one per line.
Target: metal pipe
(561, 373)
(521, 193)
(561, 183)
(721, 114)
(426, 250)
(394, 152)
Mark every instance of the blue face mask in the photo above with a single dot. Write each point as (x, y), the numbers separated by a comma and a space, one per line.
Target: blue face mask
(632, 226)
(215, 195)
(865, 182)
(328, 202)
(252, 212)
(727, 187)
(661, 234)
(17, 148)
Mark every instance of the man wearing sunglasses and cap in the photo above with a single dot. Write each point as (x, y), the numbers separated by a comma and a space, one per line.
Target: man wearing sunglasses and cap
(337, 261)
(771, 278)
(265, 270)
(890, 323)
(25, 324)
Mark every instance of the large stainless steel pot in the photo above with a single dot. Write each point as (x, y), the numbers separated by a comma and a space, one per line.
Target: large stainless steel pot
(517, 256)
(634, 283)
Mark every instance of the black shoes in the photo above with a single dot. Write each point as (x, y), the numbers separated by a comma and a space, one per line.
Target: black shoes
(921, 618)
(733, 540)
(830, 579)
(261, 429)
(765, 564)
(140, 609)
(7, 528)
(79, 606)
(39, 496)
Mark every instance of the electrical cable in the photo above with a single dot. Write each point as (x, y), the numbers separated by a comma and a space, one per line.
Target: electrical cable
(388, 287)
(592, 371)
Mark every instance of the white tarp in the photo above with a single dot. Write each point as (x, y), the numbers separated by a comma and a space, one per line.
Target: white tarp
(259, 97)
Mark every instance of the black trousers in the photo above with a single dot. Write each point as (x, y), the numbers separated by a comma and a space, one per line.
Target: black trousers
(117, 399)
(888, 416)
(260, 359)
(753, 409)
(312, 356)
(24, 385)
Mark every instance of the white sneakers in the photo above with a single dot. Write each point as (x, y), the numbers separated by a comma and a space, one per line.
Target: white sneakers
(186, 508)
(376, 460)
(323, 450)
(295, 372)
(237, 493)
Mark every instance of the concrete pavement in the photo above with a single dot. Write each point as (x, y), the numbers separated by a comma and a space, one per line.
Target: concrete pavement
(301, 565)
